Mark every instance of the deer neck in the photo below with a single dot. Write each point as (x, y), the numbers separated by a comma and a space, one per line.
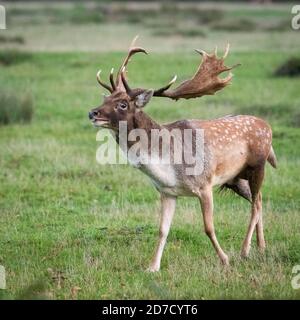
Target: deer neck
(140, 120)
(162, 175)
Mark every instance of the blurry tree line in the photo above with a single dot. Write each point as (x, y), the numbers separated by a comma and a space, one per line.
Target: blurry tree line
(168, 1)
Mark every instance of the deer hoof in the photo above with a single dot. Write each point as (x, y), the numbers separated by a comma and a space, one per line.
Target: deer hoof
(261, 248)
(225, 260)
(152, 269)
(245, 254)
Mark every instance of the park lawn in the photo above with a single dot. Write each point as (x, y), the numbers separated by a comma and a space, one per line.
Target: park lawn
(71, 228)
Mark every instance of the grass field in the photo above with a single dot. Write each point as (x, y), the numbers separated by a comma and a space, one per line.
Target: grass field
(73, 229)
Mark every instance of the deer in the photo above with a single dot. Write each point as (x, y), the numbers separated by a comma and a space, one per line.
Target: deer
(236, 147)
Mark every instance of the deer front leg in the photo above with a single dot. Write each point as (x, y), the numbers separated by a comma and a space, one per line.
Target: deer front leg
(168, 204)
(206, 200)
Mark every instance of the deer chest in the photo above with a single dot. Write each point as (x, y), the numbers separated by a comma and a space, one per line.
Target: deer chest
(162, 175)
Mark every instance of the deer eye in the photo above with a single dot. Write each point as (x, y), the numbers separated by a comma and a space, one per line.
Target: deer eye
(123, 105)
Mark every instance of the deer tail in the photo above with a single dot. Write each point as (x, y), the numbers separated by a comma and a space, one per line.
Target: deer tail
(272, 158)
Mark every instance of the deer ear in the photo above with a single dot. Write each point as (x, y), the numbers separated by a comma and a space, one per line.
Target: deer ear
(143, 98)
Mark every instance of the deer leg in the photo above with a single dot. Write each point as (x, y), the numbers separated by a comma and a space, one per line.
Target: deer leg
(168, 204)
(241, 187)
(259, 226)
(255, 182)
(206, 200)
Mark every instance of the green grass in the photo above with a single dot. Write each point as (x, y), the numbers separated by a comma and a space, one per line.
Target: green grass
(15, 108)
(67, 222)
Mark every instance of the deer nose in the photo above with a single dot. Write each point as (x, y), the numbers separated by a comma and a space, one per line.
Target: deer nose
(92, 114)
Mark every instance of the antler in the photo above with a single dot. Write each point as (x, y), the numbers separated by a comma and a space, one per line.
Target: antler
(204, 82)
(103, 84)
(132, 50)
(118, 85)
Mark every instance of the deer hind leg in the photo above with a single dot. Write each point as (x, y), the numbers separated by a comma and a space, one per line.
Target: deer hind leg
(168, 204)
(259, 226)
(206, 200)
(242, 188)
(256, 177)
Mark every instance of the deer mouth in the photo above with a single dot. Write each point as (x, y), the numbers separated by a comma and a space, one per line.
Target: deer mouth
(100, 122)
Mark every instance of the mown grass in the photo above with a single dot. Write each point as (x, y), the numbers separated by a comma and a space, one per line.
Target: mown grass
(28, 23)
(141, 13)
(68, 223)
(164, 27)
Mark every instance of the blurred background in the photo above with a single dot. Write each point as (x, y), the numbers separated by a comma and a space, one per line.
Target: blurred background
(73, 229)
(164, 25)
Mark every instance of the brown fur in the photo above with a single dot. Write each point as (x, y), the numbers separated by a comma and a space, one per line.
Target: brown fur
(236, 149)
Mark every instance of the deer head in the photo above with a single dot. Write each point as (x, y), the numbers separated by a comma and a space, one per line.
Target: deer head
(123, 102)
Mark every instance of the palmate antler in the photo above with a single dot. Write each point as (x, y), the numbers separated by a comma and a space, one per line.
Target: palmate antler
(206, 80)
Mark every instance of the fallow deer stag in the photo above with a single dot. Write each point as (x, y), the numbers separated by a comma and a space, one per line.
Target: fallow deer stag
(236, 148)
